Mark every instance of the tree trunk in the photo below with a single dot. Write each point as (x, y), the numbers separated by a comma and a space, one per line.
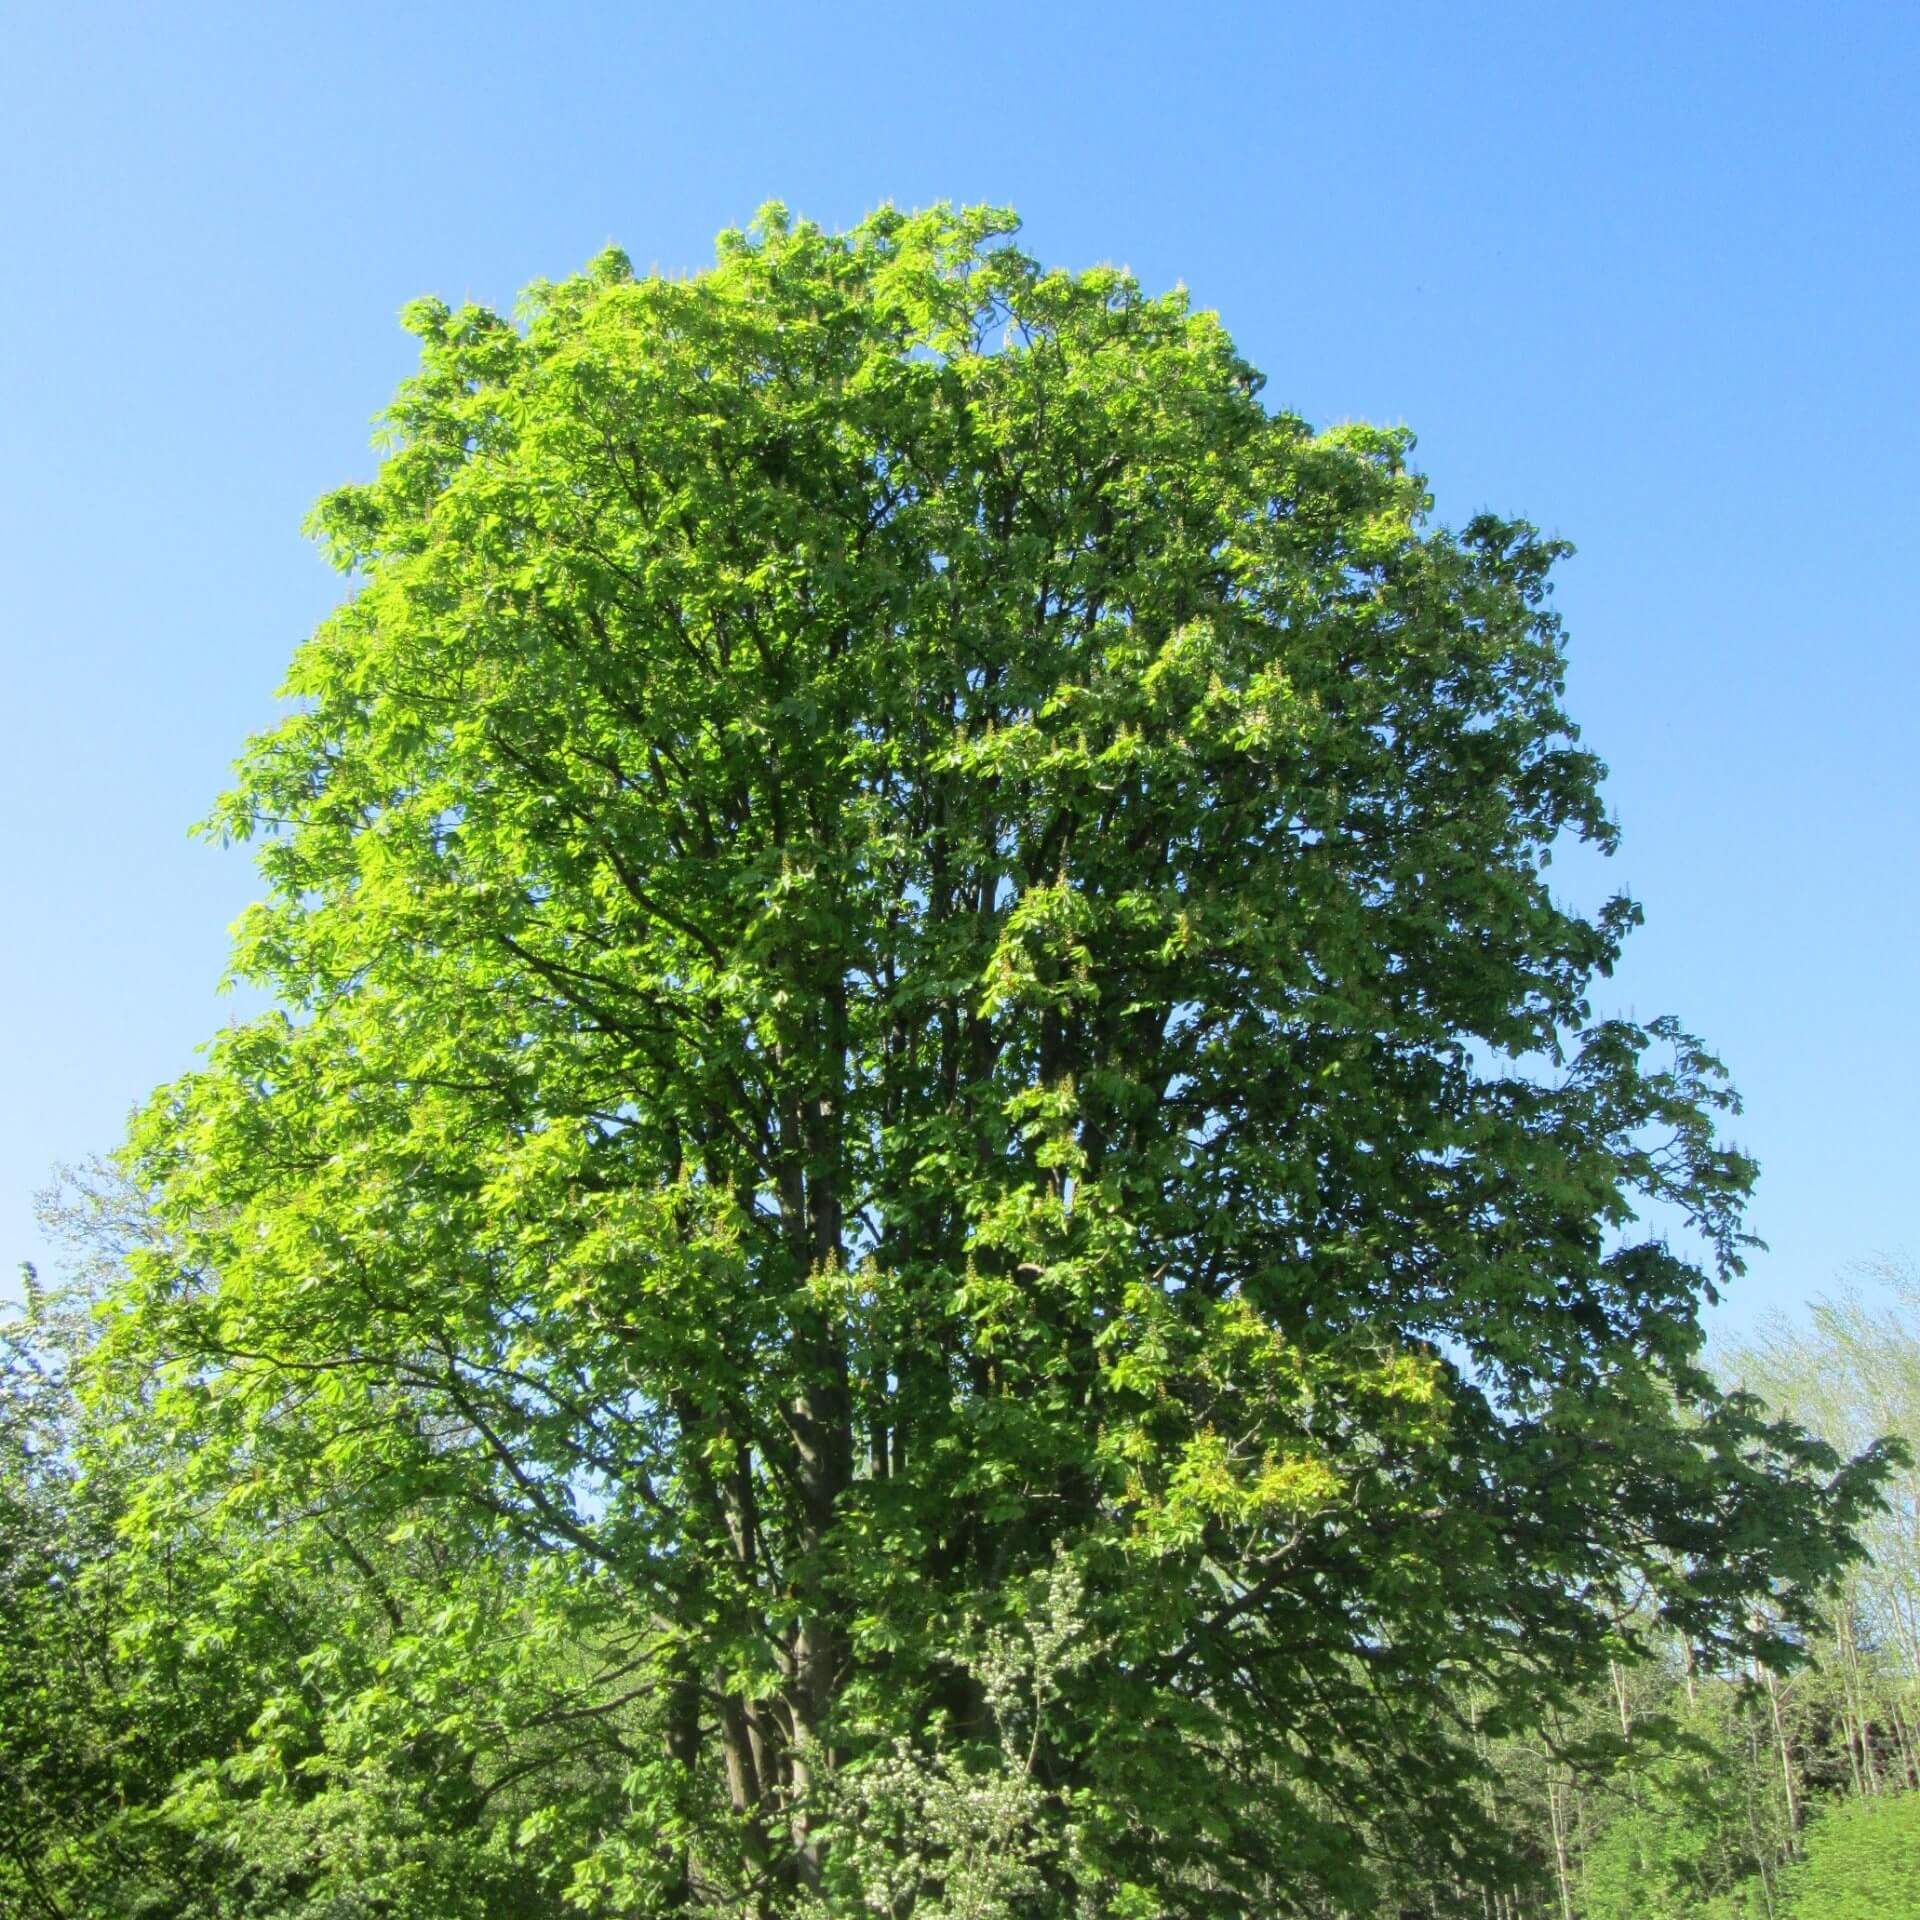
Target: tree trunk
(1786, 1760)
(1562, 1868)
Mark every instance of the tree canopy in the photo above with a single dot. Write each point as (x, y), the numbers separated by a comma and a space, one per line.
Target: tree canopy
(922, 1051)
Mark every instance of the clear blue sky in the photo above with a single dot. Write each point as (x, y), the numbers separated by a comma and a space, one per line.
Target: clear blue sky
(1645, 274)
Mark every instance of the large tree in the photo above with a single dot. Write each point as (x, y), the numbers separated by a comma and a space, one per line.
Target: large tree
(921, 1035)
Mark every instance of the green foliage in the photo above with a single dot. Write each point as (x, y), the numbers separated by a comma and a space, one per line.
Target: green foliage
(206, 1718)
(913, 962)
(1851, 1373)
(1690, 1821)
(88, 1739)
(1862, 1858)
(1679, 1789)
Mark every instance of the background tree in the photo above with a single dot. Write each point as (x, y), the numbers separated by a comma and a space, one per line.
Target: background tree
(1849, 1373)
(1860, 1858)
(914, 962)
(89, 1739)
(211, 1712)
(1709, 1789)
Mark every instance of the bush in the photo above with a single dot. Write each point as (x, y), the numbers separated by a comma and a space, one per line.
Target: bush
(1862, 1862)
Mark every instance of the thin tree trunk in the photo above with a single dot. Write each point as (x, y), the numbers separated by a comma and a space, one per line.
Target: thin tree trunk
(1903, 1736)
(1786, 1761)
(1580, 1837)
(1861, 1711)
(1618, 1676)
(1561, 1865)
